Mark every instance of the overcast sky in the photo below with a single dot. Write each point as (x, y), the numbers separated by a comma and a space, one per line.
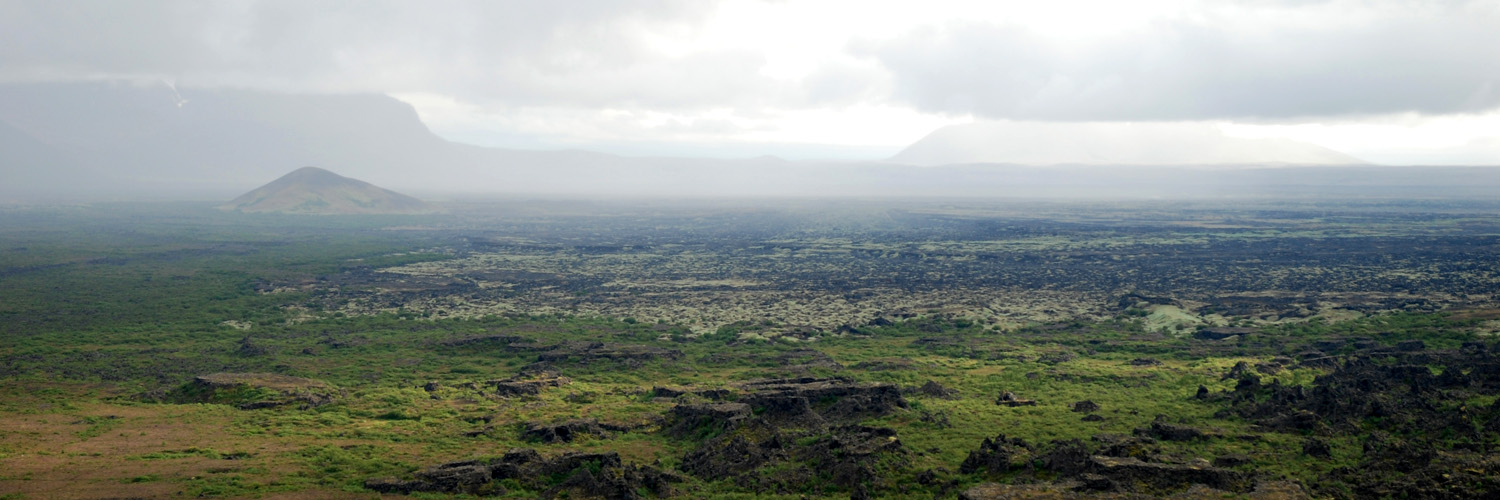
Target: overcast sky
(1395, 82)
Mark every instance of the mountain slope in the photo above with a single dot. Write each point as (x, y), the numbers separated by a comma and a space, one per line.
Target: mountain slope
(121, 137)
(312, 190)
(1108, 144)
(104, 141)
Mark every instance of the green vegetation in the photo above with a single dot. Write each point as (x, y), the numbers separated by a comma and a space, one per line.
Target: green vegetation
(110, 313)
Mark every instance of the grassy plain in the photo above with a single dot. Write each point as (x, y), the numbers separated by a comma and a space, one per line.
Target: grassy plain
(111, 311)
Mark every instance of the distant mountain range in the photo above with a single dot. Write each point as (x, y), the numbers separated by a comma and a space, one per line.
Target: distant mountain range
(1108, 144)
(92, 141)
(312, 190)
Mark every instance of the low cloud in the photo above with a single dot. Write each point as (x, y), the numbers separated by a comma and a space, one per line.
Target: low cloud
(534, 74)
(577, 53)
(1231, 62)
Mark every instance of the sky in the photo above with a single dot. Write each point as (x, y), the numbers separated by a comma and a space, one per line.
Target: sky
(1396, 82)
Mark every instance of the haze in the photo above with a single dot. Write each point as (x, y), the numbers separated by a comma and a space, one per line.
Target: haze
(207, 100)
(812, 249)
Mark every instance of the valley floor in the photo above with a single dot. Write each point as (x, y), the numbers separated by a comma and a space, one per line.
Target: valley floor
(913, 350)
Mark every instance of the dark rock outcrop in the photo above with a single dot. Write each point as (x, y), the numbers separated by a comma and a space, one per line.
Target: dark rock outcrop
(666, 392)
(478, 341)
(880, 365)
(933, 389)
(1231, 460)
(582, 475)
(996, 456)
(1411, 345)
(1111, 445)
(785, 410)
(1116, 466)
(1380, 393)
(791, 401)
(1008, 398)
(527, 386)
(254, 391)
(802, 360)
(733, 455)
(1153, 477)
(590, 352)
(850, 456)
(563, 432)
(1317, 448)
(1161, 429)
(705, 419)
(804, 426)
(1223, 332)
(1057, 357)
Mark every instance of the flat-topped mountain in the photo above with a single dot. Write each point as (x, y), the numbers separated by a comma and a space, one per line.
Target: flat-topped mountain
(104, 141)
(1109, 144)
(312, 190)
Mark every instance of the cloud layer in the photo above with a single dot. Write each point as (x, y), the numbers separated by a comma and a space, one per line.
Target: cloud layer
(751, 71)
(578, 53)
(1230, 63)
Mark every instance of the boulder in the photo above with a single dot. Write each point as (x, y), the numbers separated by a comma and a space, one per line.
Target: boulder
(1008, 398)
(564, 432)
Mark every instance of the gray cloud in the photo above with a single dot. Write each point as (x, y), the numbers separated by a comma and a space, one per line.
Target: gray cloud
(575, 53)
(1228, 60)
(1288, 61)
